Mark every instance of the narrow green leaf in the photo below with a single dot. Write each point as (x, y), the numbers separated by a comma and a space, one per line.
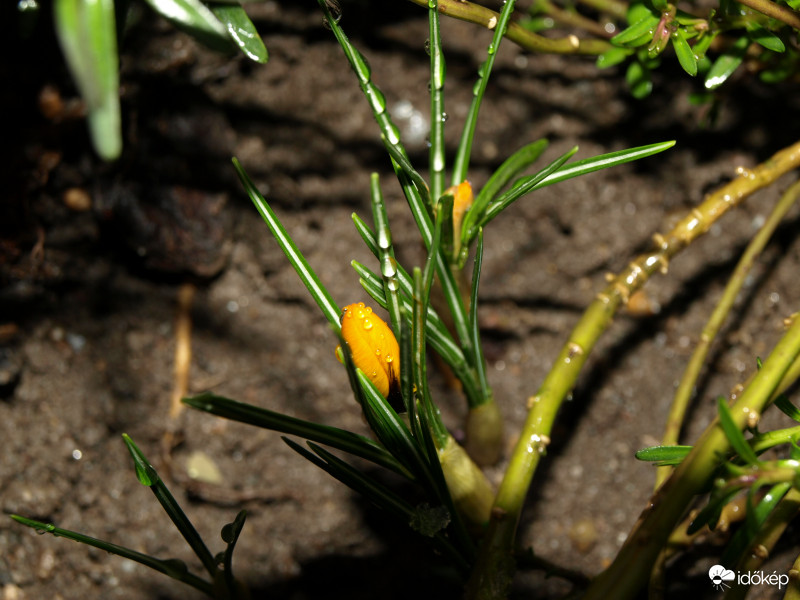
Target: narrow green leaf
(755, 515)
(340, 439)
(380, 495)
(710, 513)
(391, 430)
(230, 535)
(522, 186)
(171, 507)
(242, 31)
(637, 34)
(726, 64)
(461, 161)
(145, 472)
(196, 19)
(473, 318)
(87, 33)
(172, 567)
(734, 434)
(787, 408)
(604, 161)
(684, 53)
(436, 154)
(296, 258)
(511, 167)
(765, 38)
(664, 455)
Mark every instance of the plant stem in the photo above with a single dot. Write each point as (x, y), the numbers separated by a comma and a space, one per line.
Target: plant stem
(631, 568)
(494, 558)
(684, 393)
(781, 13)
(480, 15)
(573, 19)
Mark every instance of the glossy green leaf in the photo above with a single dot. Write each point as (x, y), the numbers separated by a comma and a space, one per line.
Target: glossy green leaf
(196, 19)
(765, 38)
(726, 64)
(734, 434)
(664, 455)
(604, 161)
(242, 31)
(684, 53)
(87, 33)
(638, 33)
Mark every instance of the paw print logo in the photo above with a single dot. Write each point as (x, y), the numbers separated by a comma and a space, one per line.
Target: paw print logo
(719, 575)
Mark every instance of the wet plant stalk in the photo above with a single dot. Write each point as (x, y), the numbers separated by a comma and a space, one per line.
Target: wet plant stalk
(781, 13)
(684, 393)
(480, 15)
(495, 562)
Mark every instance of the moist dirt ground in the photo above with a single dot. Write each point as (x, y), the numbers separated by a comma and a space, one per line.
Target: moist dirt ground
(94, 258)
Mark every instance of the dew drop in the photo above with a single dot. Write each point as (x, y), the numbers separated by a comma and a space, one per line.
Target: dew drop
(491, 49)
(378, 352)
(444, 117)
(376, 100)
(393, 284)
(389, 358)
(428, 47)
(367, 324)
(389, 267)
(384, 238)
(393, 135)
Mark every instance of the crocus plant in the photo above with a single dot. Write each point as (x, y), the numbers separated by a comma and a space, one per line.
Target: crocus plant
(466, 519)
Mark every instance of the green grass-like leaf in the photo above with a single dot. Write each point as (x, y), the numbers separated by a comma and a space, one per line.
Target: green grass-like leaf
(171, 567)
(734, 434)
(88, 37)
(334, 437)
(787, 408)
(197, 20)
(173, 509)
(307, 275)
(242, 31)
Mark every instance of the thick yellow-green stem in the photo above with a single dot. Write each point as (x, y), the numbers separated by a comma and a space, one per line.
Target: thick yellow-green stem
(683, 395)
(494, 557)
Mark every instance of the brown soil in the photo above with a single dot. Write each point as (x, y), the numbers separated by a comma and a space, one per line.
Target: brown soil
(88, 304)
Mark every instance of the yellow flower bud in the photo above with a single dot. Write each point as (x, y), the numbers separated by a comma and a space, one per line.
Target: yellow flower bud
(374, 349)
(462, 200)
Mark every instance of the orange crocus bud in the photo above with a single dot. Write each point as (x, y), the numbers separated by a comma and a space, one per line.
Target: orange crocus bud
(462, 200)
(374, 349)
